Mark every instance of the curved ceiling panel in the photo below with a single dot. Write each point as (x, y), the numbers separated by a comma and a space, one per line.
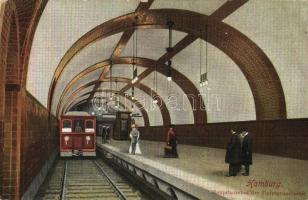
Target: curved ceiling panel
(201, 6)
(86, 79)
(77, 101)
(61, 24)
(66, 100)
(284, 40)
(176, 101)
(152, 43)
(227, 84)
(155, 115)
(73, 95)
(126, 71)
(115, 86)
(93, 53)
(111, 105)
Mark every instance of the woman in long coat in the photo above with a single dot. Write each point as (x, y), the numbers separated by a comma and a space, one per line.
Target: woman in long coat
(137, 146)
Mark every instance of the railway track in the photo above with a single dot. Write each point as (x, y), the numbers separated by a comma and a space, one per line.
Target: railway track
(86, 179)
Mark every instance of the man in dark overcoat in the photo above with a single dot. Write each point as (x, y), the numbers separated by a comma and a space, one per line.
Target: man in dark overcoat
(103, 131)
(246, 151)
(233, 154)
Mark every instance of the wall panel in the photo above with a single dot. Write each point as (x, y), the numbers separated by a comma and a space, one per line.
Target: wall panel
(287, 138)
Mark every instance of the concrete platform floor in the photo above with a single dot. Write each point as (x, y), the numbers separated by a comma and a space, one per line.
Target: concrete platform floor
(271, 177)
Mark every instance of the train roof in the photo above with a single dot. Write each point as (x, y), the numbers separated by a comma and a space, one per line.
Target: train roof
(76, 113)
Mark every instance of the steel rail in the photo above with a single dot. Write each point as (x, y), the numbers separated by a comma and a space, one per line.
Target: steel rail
(62, 197)
(115, 187)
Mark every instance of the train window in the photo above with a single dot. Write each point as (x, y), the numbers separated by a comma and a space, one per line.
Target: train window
(67, 126)
(78, 125)
(89, 126)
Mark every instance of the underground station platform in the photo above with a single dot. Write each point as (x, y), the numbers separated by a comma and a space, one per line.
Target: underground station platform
(200, 172)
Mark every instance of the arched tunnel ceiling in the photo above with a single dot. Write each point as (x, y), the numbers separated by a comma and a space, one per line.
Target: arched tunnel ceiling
(156, 115)
(229, 91)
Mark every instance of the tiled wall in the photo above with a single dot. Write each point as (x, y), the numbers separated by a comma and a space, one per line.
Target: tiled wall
(1, 145)
(38, 141)
(287, 138)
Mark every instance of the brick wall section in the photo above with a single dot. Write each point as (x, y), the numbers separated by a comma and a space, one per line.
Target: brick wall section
(5, 20)
(28, 134)
(287, 138)
(9, 170)
(39, 139)
(1, 151)
(29, 13)
(12, 70)
(11, 144)
(3, 52)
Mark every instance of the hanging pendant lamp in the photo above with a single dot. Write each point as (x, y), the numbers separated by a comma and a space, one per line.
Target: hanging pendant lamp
(203, 76)
(135, 52)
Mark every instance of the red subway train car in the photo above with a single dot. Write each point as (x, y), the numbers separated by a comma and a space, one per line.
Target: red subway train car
(77, 135)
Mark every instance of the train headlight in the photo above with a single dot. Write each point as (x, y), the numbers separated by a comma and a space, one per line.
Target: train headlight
(88, 138)
(66, 139)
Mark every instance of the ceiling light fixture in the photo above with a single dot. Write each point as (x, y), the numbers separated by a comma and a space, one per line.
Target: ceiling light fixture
(133, 93)
(135, 80)
(110, 76)
(117, 100)
(135, 53)
(203, 76)
(169, 76)
(169, 50)
(155, 85)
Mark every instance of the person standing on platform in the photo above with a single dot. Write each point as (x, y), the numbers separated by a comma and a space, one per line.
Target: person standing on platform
(134, 135)
(246, 151)
(104, 134)
(233, 154)
(100, 132)
(107, 134)
(172, 141)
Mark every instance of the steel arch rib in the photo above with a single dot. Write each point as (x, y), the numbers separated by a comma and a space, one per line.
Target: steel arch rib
(181, 80)
(163, 108)
(253, 62)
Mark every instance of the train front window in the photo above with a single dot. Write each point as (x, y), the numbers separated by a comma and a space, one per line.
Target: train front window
(78, 125)
(67, 124)
(89, 126)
